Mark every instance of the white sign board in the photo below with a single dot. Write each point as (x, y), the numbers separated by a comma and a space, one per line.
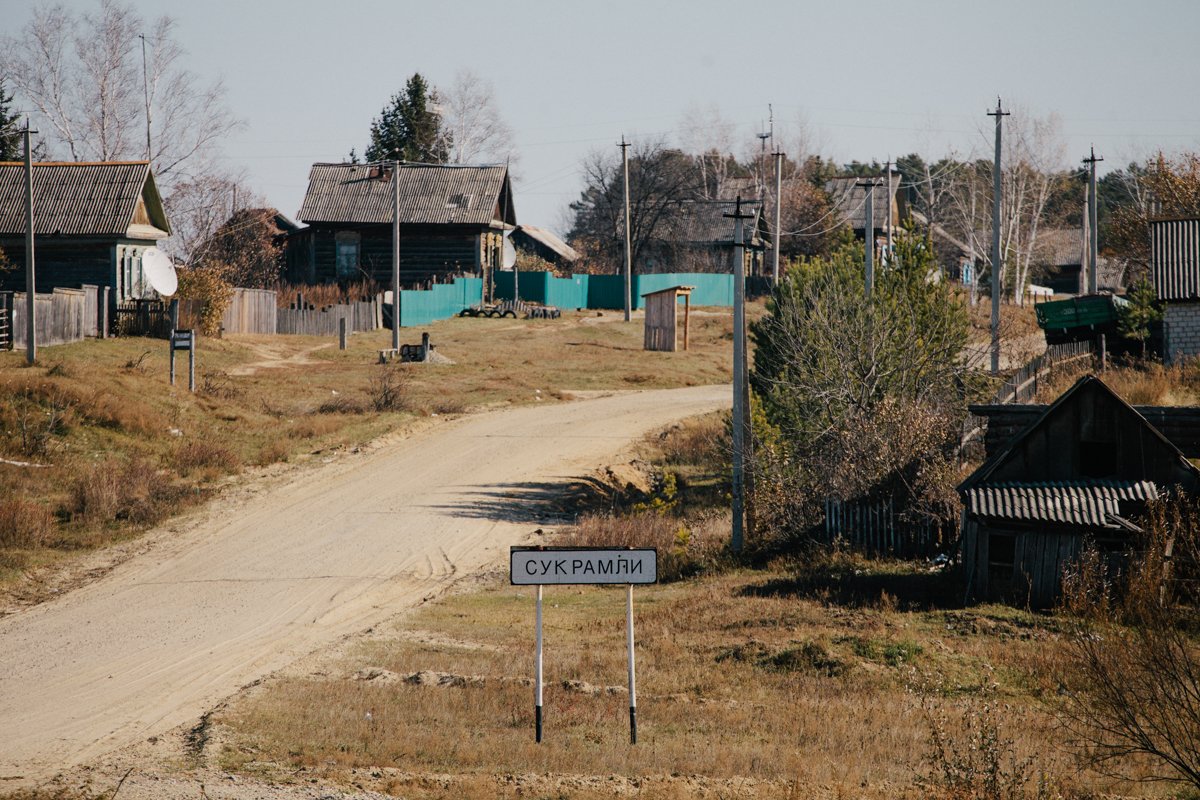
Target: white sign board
(568, 565)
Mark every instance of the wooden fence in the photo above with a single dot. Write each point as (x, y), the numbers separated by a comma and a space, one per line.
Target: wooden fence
(1022, 387)
(6, 338)
(874, 527)
(249, 311)
(144, 318)
(60, 317)
(306, 320)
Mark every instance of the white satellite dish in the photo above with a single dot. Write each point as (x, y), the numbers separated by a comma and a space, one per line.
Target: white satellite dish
(159, 272)
(509, 259)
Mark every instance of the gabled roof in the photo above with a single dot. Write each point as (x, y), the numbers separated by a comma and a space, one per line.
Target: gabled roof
(549, 240)
(108, 198)
(704, 222)
(981, 476)
(430, 194)
(850, 200)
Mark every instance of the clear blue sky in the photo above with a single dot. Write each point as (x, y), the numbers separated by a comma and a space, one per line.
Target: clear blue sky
(871, 78)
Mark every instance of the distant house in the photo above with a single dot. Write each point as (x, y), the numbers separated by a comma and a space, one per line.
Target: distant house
(697, 236)
(92, 221)
(1060, 256)
(1078, 475)
(850, 200)
(545, 245)
(452, 219)
(1175, 266)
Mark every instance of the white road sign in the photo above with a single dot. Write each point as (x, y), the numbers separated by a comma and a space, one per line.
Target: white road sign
(545, 566)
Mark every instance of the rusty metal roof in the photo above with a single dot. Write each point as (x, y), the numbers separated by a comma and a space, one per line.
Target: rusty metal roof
(430, 194)
(549, 240)
(80, 198)
(850, 199)
(704, 222)
(1175, 258)
(1094, 504)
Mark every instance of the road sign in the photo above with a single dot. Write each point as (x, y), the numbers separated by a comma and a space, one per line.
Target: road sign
(568, 565)
(538, 566)
(184, 340)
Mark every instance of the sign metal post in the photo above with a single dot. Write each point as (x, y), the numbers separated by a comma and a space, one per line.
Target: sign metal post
(184, 340)
(538, 566)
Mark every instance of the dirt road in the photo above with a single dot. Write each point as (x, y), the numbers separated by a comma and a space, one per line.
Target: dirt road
(166, 636)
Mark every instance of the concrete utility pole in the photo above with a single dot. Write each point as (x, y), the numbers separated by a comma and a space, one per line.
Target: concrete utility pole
(146, 91)
(739, 378)
(624, 145)
(999, 114)
(396, 255)
(30, 282)
(778, 204)
(869, 237)
(1093, 233)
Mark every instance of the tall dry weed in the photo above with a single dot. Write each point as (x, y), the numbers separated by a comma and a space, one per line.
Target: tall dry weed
(24, 523)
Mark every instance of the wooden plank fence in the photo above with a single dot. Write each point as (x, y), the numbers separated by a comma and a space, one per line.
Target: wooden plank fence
(6, 338)
(249, 311)
(874, 527)
(306, 320)
(60, 317)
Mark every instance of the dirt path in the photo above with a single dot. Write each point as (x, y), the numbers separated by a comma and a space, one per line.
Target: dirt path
(276, 355)
(168, 634)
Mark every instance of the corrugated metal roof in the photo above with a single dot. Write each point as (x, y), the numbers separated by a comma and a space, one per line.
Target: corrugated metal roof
(78, 199)
(1175, 258)
(704, 222)
(548, 239)
(850, 200)
(430, 194)
(1092, 504)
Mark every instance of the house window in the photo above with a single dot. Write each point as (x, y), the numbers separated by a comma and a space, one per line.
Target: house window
(346, 246)
(130, 277)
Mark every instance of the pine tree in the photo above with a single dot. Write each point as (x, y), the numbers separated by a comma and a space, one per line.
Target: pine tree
(409, 128)
(11, 148)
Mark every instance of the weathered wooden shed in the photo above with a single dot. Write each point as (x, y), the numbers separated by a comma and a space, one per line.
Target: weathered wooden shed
(1077, 476)
(92, 220)
(662, 317)
(452, 219)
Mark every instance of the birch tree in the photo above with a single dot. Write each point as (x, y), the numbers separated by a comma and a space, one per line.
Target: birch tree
(478, 132)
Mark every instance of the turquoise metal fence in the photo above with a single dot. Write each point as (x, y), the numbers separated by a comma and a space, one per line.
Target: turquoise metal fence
(444, 300)
(604, 291)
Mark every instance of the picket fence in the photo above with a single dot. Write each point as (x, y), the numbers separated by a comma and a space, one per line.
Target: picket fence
(874, 527)
(306, 320)
(60, 317)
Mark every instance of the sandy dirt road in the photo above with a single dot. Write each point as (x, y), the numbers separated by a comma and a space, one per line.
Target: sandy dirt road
(167, 635)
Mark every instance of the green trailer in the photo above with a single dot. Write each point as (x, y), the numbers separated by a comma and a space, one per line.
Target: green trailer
(1080, 315)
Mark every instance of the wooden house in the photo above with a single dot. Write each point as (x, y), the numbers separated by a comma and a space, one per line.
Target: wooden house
(92, 222)
(545, 245)
(850, 200)
(697, 236)
(1078, 475)
(452, 219)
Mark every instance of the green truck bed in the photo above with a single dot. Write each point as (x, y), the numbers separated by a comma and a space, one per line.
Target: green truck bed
(1079, 312)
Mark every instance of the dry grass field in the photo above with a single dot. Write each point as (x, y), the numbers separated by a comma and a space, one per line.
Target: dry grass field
(797, 681)
(105, 447)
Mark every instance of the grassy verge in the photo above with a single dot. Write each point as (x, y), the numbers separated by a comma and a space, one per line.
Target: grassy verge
(105, 447)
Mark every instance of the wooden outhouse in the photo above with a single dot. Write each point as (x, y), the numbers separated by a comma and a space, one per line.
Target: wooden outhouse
(662, 317)
(1078, 476)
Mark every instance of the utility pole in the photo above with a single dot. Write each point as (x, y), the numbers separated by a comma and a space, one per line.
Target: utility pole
(396, 256)
(869, 243)
(739, 378)
(30, 283)
(999, 114)
(889, 211)
(1093, 233)
(778, 203)
(146, 92)
(624, 145)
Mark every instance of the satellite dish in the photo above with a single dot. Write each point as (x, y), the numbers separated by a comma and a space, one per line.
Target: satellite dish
(510, 255)
(159, 272)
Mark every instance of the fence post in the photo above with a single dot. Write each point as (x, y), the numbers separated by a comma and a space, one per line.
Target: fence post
(341, 333)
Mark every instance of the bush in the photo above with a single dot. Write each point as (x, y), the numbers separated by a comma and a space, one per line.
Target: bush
(199, 456)
(133, 491)
(388, 389)
(208, 287)
(684, 549)
(24, 523)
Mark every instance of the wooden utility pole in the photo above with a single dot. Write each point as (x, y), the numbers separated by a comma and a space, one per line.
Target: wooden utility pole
(624, 145)
(739, 379)
(889, 211)
(869, 237)
(30, 281)
(1093, 233)
(999, 114)
(778, 203)
(396, 255)
(146, 91)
